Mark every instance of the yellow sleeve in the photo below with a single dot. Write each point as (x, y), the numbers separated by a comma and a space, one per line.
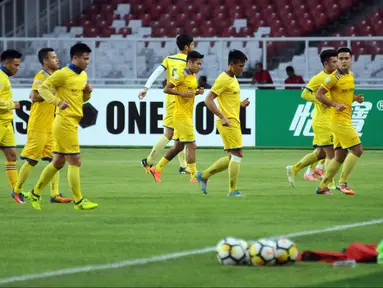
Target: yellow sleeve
(309, 91)
(52, 83)
(37, 81)
(219, 86)
(177, 77)
(330, 82)
(165, 63)
(5, 105)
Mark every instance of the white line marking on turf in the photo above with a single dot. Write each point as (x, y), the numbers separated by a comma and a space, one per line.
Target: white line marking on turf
(165, 257)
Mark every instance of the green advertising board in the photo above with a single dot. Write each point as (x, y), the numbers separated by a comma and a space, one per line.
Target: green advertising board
(283, 119)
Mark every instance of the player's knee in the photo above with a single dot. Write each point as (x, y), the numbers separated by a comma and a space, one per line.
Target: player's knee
(192, 147)
(10, 155)
(357, 151)
(321, 154)
(238, 153)
(169, 133)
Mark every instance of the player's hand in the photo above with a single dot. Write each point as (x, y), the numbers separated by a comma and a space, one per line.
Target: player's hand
(225, 121)
(245, 103)
(359, 98)
(340, 107)
(88, 88)
(200, 91)
(187, 94)
(63, 104)
(142, 94)
(17, 104)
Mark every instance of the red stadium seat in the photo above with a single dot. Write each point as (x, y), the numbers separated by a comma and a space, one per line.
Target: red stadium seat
(146, 20)
(333, 12)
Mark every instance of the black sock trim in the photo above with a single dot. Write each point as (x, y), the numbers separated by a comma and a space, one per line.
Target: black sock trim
(38, 196)
(78, 202)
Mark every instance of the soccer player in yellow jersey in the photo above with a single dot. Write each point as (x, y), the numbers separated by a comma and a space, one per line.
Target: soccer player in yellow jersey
(227, 91)
(183, 85)
(321, 120)
(10, 62)
(185, 44)
(40, 139)
(72, 90)
(341, 85)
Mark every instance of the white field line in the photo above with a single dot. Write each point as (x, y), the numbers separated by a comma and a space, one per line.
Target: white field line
(165, 257)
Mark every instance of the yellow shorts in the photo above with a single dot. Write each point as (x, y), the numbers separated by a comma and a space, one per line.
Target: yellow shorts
(169, 107)
(231, 135)
(39, 146)
(322, 136)
(65, 134)
(7, 136)
(183, 131)
(345, 135)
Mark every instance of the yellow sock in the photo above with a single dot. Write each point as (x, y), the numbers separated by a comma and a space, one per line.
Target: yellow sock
(157, 149)
(45, 177)
(348, 165)
(332, 169)
(192, 169)
(305, 161)
(55, 185)
(24, 172)
(327, 161)
(182, 158)
(234, 165)
(162, 164)
(312, 166)
(74, 182)
(11, 172)
(218, 166)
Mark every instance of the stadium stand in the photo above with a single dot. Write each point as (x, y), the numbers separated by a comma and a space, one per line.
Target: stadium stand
(212, 18)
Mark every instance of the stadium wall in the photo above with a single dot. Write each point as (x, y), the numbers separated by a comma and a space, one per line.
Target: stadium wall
(274, 119)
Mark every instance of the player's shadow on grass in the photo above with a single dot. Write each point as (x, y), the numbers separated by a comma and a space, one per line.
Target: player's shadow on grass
(370, 280)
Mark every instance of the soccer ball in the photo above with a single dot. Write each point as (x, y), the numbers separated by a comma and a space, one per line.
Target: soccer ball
(286, 251)
(262, 252)
(232, 251)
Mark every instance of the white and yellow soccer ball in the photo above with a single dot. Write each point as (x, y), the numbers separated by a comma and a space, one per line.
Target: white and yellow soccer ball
(232, 251)
(262, 252)
(286, 251)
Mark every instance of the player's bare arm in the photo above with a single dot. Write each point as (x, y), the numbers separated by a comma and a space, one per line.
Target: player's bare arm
(169, 89)
(245, 103)
(35, 97)
(321, 96)
(210, 104)
(200, 91)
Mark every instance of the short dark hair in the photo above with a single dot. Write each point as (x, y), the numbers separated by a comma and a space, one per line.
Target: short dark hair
(203, 77)
(259, 63)
(289, 68)
(344, 50)
(79, 49)
(193, 56)
(183, 40)
(236, 56)
(10, 54)
(325, 55)
(43, 54)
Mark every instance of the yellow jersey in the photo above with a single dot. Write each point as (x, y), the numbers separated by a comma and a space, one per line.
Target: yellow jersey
(42, 113)
(228, 94)
(171, 63)
(341, 86)
(184, 81)
(321, 114)
(6, 102)
(69, 83)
